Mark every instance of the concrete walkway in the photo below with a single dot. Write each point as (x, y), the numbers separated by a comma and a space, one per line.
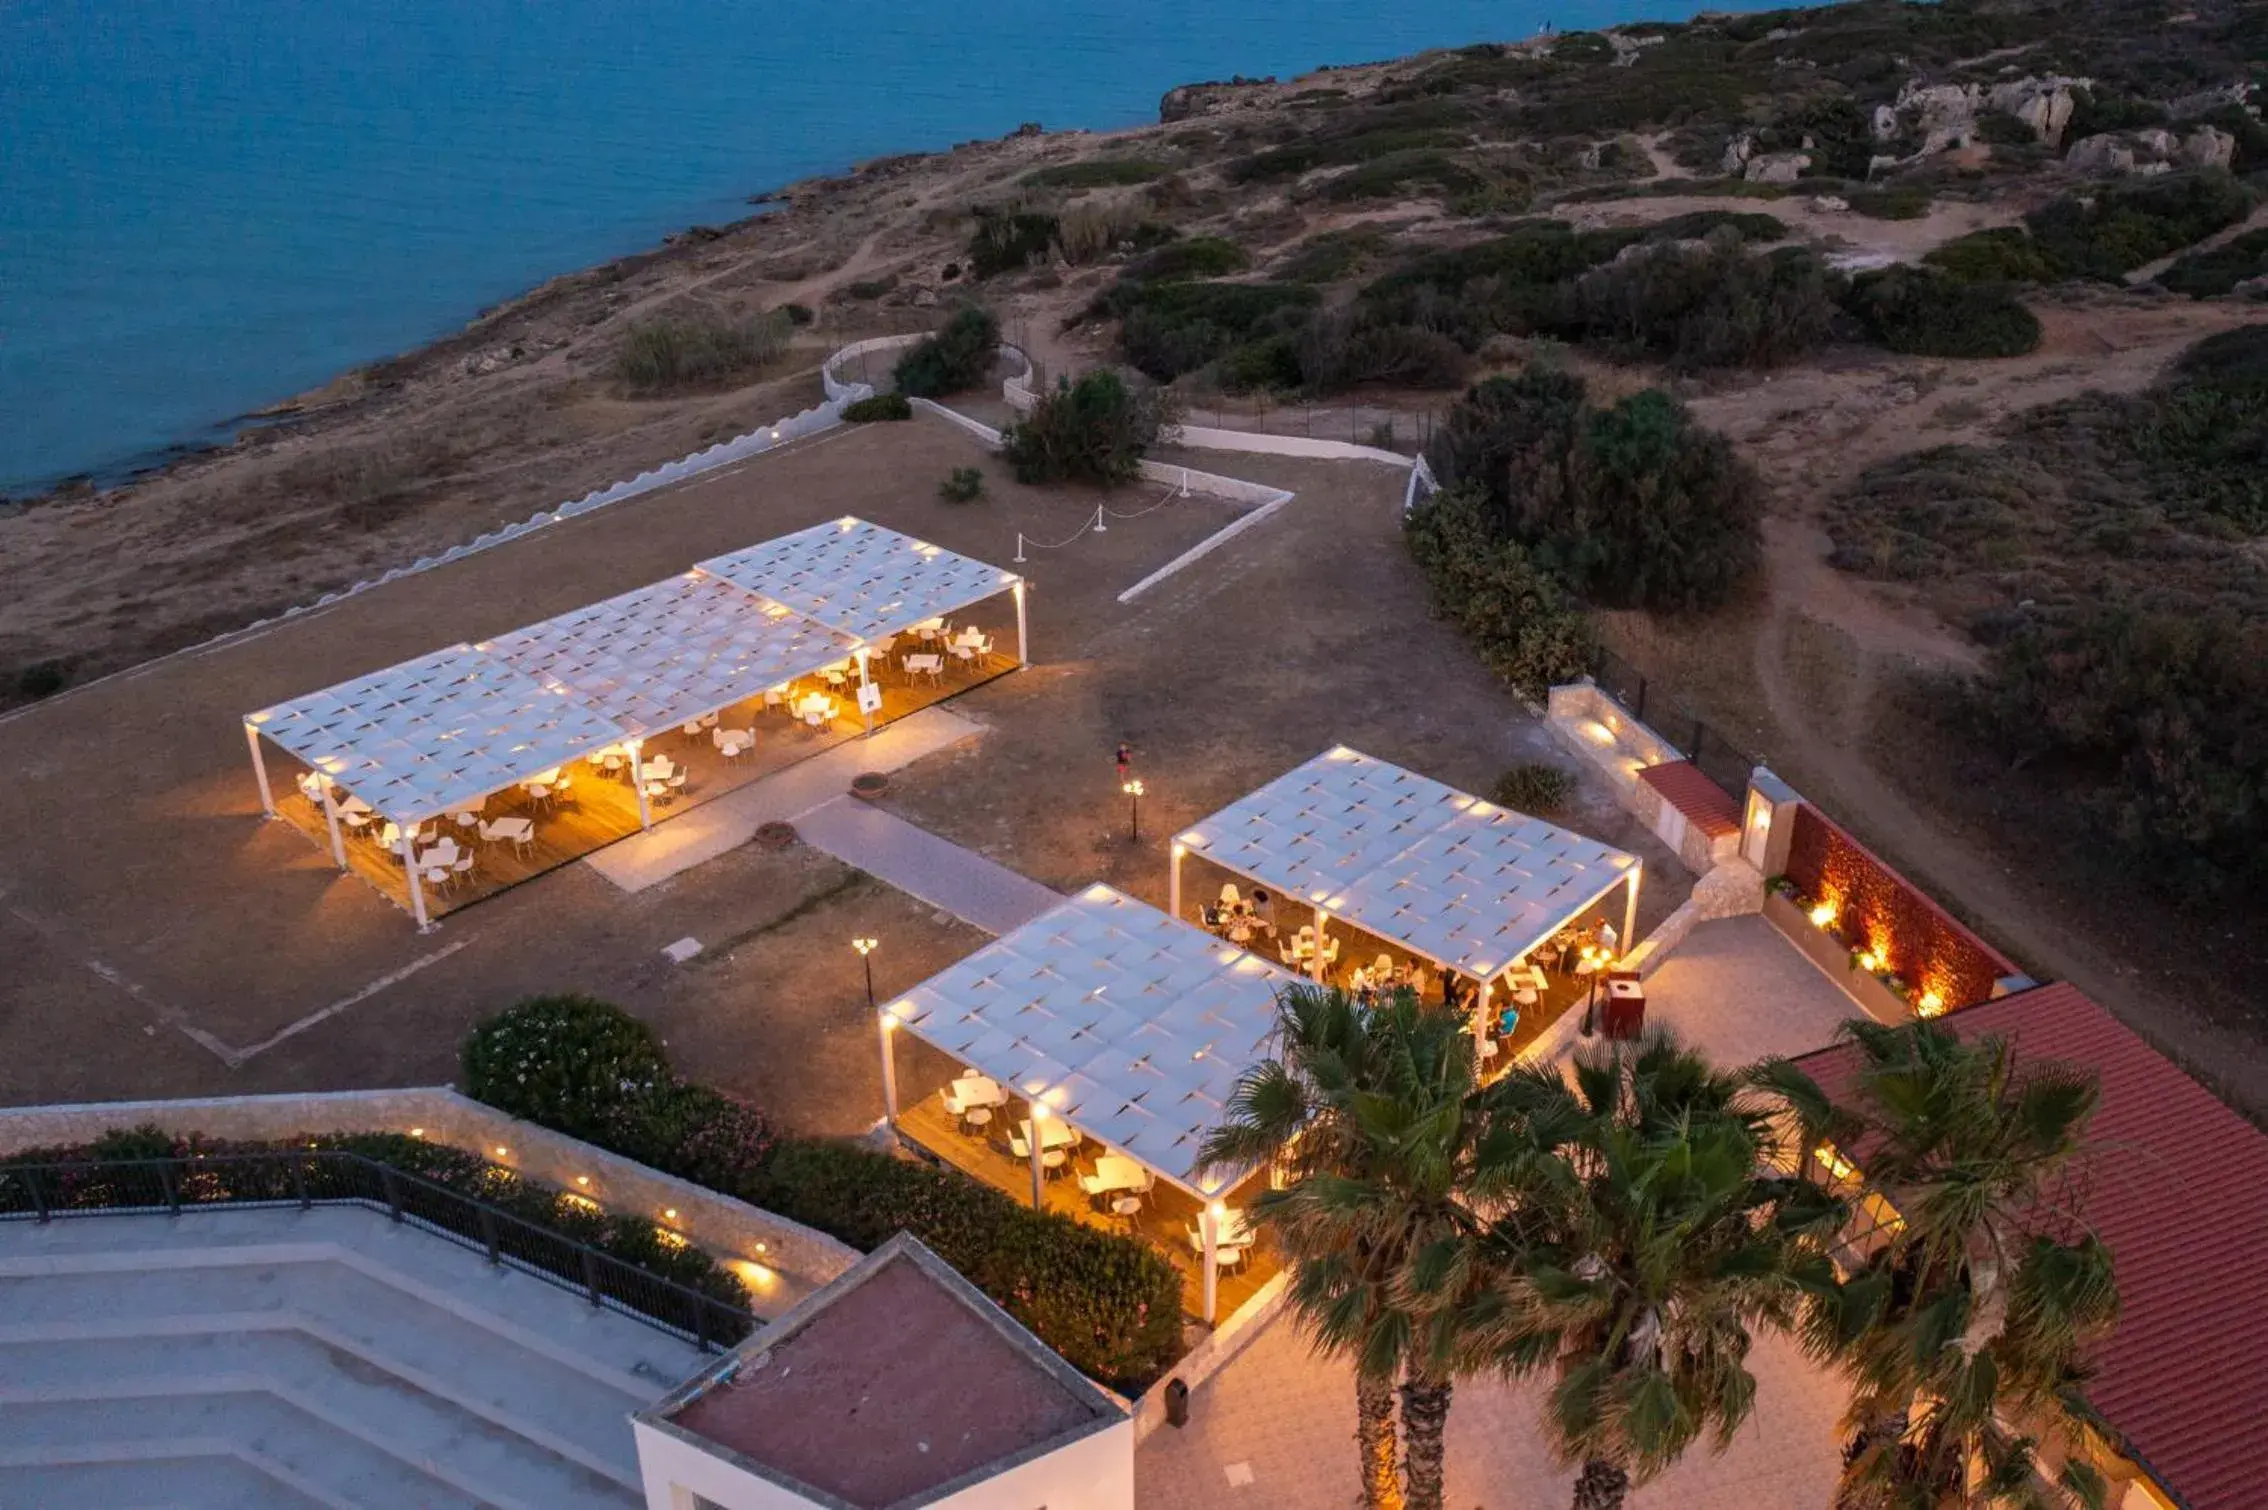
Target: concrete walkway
(716, 827)
(1738, 991)
(959, 881)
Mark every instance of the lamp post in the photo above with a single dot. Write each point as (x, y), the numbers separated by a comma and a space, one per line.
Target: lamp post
(865, 948)
(1133, 791)
(1590, 968)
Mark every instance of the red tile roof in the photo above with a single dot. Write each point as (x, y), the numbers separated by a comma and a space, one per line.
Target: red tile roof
(2178, 1189)
(1706, 805)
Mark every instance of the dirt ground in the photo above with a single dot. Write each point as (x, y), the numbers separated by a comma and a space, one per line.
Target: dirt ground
(163, 940)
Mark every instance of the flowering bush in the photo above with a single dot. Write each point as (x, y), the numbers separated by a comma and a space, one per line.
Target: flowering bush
(567, 1062)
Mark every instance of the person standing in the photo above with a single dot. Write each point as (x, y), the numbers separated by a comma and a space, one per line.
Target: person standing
(1125, 762)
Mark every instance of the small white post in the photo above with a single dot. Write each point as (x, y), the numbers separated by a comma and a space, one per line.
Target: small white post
(1209, 1228)
(1173, 882)
(1630, 909)
(1032, 1134)
(1023, 637)
(331, 817)
(1184, 482)
(260, 770)
(1100, 527)
(638, 785)
(416, 890)
(865, 714)
(1315, 962)
(1019, 556)
(1483, 1023)
(885, 1025)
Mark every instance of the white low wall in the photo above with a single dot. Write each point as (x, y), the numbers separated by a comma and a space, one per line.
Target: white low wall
(1595, 727)
(798, 1259)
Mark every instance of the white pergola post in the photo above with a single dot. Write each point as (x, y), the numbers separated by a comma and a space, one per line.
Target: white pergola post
(1023, 637)
(331, 817)
(1209, 1229)
(865, 714)
(1173, 881)
(1315, 962)
(638, 785)
(260, 771)
(1480, 1005)
(1630, 908)
(884, 1025)
(1034, 1125)
(416, 887)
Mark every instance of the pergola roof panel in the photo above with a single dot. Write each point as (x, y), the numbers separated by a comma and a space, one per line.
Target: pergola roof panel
(1459, 880)
(860, 578)
(658, 656)
(1132, 1026)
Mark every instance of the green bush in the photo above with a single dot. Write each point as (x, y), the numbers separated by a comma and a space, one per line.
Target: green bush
(2207, 274)
(870, 288)
(42, 679)
(2124, 225)
(799, 314)
(1167, 329)
(1328, 256)
(959, 357)
(693, 1132)
(679, 352)
(1414, 175)
(1712, 305)
(1180, 261)
(568, 1062)
(1095, 173)
(1514, 612)
(2096, 111)
(1340, 349)
(962, 485)
(1008, 241)
(1890, 204)
(1110, 1305)
(2003, 254)
(1922, 312)
(1094, 430)
(878, 407)
(1535, 786)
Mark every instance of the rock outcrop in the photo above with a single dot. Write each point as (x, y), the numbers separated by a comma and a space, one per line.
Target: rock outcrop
(2152, 150)
(1192, 100)
(2208, 147)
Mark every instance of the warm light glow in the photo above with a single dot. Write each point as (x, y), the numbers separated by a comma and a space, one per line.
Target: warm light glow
(668, 1238)
(1870, 962)
(1132, 789)
(1039, 1111)
(1179, 849)
(669, 1213)
(1218, 1210)
(865, 946)
(1836, 1165)
(1823, 914)
(763, 1248)
(583, 1180)
(758, 1278)
(1596, 732)
(1931, 1004)
(1193, 839)
(417, 1132)
(889, 1023)
(502, 1151)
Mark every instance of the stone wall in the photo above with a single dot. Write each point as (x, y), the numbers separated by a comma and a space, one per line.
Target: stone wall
(780, 1260)
(1605, 737)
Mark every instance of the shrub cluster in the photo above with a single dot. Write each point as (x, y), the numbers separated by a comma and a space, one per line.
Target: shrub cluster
(568, 1062)
(197, 1178)
(962, 485)
(957, 358)
(1535, 786)
(1095, 173)
(1515, 613)
(2003, 254)
(2207, 274)
(1111, 1305)
(1923, 312)
(879, 406)
(678, 352)
(1094, 430)
(1169, 327)
(2121, 226)
(1631, 506)
(1008, 241)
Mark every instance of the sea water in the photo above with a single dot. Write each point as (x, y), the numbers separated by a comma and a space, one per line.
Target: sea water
(209, 205)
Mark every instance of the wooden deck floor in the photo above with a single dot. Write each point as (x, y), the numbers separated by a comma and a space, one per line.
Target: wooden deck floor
(601, 809)
(1165, 1220)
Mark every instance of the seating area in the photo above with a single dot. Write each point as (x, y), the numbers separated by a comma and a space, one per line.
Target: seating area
(505, 758)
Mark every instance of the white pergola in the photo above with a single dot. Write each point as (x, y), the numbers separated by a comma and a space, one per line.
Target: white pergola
(1463, 883)
(1129, 1025)
(435, 734)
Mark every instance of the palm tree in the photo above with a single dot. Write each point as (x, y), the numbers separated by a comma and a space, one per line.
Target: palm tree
(1975, 1297)
(1370, 1113)
(1639, 1244)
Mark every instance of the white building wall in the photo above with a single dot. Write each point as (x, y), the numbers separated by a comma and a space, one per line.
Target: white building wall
(1094, 1473)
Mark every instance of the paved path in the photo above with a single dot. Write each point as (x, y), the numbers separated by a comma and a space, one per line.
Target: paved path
(961, 881)
(1737, 990)
(1275, 1431)
(732, 820)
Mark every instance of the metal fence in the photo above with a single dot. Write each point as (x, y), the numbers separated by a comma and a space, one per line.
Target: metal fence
(1720, 759)
(334, 1177)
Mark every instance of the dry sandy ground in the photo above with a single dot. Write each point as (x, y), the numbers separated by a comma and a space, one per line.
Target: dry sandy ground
(151, 921)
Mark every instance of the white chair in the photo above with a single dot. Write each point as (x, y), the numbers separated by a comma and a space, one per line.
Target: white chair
(1230, 896)
(675, 782)
(463, 866)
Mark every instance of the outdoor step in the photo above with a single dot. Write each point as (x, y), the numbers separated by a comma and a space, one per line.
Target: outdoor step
(320, 1461)
(161, 1482)
(400, 1415)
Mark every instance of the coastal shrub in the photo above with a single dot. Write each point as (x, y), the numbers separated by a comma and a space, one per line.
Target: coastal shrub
(1534, 786)
(1922, 312)
(1632, 506)
(2207, 274)
(1094, 430)
(1339, 349)
(1518, 618)
(878, 407)
(1094, 173)
(1328, 256)
(2123, 225)
(957, 358)
(871, 288)
(1111, 1305)
(1711, 305)
(1008, 241)
(799, 314)
(2003, 254)
(1167, 329)
(568, 1062)
(1095, 228)
(1197, 257)
(42, 679)
(197, 1177)
(2095, 111)
(962, 485)
(1905, 203)
(1270, 363)
(1414, 175)
(674, 353)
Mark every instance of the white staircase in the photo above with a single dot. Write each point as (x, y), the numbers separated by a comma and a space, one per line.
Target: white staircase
(287, 1358)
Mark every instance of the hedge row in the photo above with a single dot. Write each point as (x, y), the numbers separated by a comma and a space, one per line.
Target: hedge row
(1110, 1305)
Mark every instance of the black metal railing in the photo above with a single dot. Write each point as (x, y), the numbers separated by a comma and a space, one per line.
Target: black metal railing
(1718, 758)
(306, 1178)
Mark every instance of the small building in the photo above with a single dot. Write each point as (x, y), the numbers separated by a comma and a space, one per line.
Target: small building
(898, 1385)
